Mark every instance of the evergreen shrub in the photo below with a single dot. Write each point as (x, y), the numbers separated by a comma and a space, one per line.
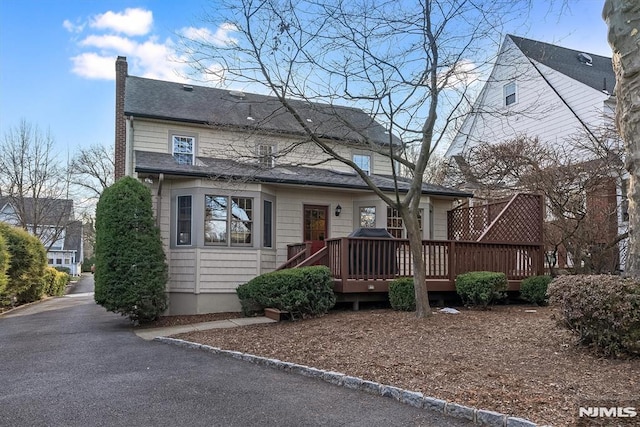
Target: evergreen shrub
(603, 311)
(4, 265)
(303, 292)
(402, 295)
(481, 288)
(534, 289)
(131, 271)
(28, 260)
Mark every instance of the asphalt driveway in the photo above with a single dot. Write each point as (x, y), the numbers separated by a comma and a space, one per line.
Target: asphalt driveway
(67, 362)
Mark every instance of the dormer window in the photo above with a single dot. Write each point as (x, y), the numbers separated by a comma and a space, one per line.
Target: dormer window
(183, 148)
(363, 161)
(510, 94)
(266, 155)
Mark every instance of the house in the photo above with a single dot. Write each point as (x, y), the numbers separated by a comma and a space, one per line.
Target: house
(557, 95)
(238, 188)
(51, 220)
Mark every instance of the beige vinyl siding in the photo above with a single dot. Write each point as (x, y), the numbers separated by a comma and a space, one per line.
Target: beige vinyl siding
(222, 270)
(440, 208)
(182, 270)
(153, 135)
(268, 260)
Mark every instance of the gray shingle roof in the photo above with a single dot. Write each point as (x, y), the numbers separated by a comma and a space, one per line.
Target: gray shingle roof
(224, 108)
(43, 211)
(599, 75)
(148, 162)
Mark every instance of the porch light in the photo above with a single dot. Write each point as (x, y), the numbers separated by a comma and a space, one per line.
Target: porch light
(338, 210)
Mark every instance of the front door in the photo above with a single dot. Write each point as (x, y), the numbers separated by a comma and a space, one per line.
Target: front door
(315, 226)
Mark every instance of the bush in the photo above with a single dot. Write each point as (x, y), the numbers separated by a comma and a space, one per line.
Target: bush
(4, 265)
(305, 291)
(55, 281)
(534, 289)
(63, 269)
(131, 272)
(26, 268)
(481, 287)
(603, 311)
(402, 294)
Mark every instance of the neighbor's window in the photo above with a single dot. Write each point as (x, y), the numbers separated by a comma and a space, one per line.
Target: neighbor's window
(183, 148)
(266, 155)
(394, 222)
(368, 216)
(228, 220)
(267, 224)
(363, 161)
(183, 229)
(510, 93)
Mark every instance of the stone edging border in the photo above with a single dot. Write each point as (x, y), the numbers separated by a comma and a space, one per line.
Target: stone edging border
(415, 399)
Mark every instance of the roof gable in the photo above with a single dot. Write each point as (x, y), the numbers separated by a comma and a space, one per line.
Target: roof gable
(220, 107)
(599, 75)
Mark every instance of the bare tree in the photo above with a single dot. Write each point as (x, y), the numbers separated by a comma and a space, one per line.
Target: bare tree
(623, 19)
(92, 169)
(580, 195)
(33, 183)
(407, 65)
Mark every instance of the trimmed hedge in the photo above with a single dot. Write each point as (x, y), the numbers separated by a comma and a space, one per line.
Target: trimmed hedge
(303, 292)
(26, 268)
(534, 289)
(603, 311)
(402, 294)
(56, 281)
(131, 272)
(481, 288)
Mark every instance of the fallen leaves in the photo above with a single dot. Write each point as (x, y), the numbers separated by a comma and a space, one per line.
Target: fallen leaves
(505, 359)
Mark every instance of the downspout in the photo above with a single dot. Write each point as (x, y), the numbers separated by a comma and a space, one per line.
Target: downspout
(129, 170)
(159, 199)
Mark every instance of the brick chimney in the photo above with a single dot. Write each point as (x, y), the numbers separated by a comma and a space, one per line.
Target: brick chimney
(121, 122)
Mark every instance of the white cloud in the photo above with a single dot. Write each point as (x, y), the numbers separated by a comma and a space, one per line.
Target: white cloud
(222, 35)
(127, 33)
(93, 66)
(122, 45)
(71, 27)
(463, 73)
(132, 22)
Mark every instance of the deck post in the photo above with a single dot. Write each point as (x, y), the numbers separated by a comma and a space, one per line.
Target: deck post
(452, 261)
(344, 260)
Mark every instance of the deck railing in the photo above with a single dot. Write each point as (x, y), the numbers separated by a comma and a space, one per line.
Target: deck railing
(353, 258)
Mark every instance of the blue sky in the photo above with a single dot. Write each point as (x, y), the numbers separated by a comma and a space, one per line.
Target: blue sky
(57, 57)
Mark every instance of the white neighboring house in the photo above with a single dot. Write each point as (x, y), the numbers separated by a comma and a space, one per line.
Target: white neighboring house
(55, 227)
(235, 181)
(542, 90)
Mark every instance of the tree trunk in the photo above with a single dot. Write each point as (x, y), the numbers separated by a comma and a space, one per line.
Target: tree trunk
(623, 20)
(423, 309)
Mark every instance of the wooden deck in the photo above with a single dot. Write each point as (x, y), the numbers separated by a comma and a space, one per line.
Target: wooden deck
(367, 265)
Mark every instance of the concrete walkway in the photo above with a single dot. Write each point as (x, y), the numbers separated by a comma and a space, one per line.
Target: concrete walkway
(151, 333)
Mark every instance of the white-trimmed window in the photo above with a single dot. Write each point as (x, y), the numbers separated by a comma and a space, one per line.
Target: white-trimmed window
(510, 96)
(183, 149)
(266, 155)
(228, 221)
(363, 161)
